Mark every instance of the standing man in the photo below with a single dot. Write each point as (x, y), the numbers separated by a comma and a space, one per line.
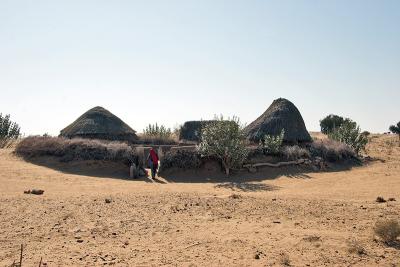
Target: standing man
(153, 162)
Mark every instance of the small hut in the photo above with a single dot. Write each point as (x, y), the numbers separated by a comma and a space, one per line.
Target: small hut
(99, 123)
(191, 130)
(282, 114)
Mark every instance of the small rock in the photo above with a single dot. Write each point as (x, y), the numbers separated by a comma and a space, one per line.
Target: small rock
(391, 199)
(37, 191)
(108, 200)
(79, 240)
(257, 256)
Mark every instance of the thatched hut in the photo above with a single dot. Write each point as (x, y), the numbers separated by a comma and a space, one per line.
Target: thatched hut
(191, 130)
(282, 114)
(99, 123)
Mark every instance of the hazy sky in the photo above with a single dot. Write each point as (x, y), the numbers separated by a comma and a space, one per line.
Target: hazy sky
(172, 61)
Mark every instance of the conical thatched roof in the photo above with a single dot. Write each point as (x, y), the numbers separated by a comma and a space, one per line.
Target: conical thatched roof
(282, 114)
(99, 123)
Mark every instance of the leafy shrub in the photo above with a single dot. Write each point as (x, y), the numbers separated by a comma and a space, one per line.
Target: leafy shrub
(224, 140)
(388, 230)
(331, 123)
(75, 149)
(272, 144)
(9, 131)
(331, 150)
(350, 134)
(181, 159)
(295, 152)
(396, 130)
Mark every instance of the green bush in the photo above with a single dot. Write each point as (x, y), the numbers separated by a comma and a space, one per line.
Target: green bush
(9, 131)
(350, 134)
(272, 144)
(331, 122)
(396, 130)
(224, 140)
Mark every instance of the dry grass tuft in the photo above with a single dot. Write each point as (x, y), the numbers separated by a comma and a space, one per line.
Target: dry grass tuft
(388, 230)
(285, 260)
(295, 152)
(355, 247)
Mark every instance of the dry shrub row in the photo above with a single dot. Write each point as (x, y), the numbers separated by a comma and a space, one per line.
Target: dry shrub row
(156, 140)
(295, 152)
(181, 159)
(75, 149)
(331, 150)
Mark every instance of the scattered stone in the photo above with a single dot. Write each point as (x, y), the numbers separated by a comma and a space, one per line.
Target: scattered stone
(79, 240)
(257, 256)
(108, 200)
(391, 199)
(34, 191)
(277, 222)
(235, 196)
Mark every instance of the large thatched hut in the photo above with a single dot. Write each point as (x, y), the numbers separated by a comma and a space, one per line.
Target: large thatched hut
(99, 123)
(282, 114)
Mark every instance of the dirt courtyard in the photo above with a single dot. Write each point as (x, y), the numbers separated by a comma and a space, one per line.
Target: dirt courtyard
(274, 218)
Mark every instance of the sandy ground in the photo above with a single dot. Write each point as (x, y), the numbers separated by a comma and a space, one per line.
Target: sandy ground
(297, 218)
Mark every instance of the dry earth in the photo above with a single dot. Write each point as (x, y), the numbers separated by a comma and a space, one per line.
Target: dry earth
(291, 217)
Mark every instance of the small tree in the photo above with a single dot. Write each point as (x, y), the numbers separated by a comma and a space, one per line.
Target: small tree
(224, 139)
(332, 122)
(350, 134)
(9, 130)
(396, 130)
(272, 144)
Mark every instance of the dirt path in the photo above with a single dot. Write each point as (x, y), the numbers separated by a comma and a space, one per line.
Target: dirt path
(306, 219)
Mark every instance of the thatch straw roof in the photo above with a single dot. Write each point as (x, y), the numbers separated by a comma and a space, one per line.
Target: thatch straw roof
(191, 130)
(282, 114)
(99, 123)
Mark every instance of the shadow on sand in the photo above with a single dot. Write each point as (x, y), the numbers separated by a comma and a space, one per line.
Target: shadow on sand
(239, 180)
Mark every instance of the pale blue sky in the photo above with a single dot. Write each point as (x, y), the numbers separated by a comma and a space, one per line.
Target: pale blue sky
(172, 61)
